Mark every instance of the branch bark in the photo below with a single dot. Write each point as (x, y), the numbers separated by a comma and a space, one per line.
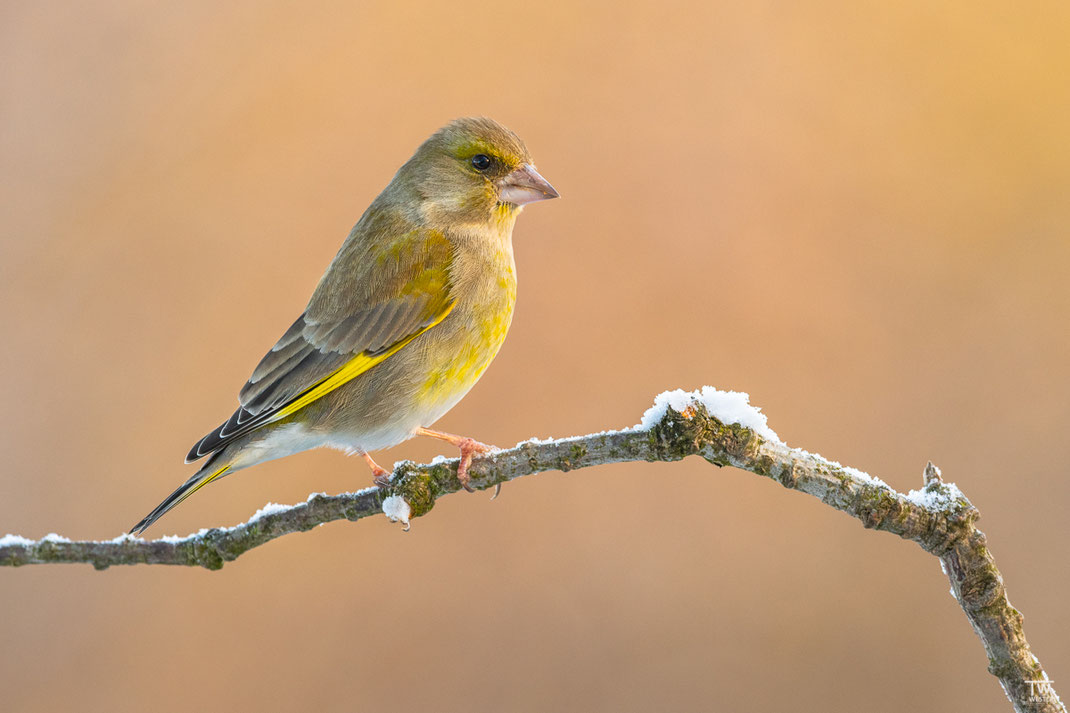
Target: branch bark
(939, 517)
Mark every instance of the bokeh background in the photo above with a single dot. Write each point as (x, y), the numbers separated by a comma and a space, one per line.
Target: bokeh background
(859, 213)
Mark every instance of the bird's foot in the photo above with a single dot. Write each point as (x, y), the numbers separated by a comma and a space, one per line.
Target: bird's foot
(468, 446)
(380, 475)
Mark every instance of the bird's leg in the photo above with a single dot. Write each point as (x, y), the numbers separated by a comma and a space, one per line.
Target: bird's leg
(380, 475)
(468, 446)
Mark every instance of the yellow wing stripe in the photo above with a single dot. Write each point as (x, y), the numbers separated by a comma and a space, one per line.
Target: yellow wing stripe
(201, 484)
(349, 371)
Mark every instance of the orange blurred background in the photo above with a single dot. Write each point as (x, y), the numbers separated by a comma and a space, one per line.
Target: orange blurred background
(857, 212)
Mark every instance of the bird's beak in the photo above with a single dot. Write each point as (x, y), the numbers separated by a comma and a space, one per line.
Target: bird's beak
(525, 185)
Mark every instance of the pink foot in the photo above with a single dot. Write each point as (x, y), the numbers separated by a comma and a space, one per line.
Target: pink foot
(380, 475)
(469, 447)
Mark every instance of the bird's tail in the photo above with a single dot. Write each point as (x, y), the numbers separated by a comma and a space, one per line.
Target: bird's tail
(207, 473)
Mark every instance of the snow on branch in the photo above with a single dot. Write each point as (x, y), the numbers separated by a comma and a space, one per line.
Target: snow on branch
(720, 427)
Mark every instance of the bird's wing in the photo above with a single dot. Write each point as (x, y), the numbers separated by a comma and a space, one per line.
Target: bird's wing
(371, 302)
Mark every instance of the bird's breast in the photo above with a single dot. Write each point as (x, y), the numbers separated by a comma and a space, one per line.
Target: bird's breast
(461, 348)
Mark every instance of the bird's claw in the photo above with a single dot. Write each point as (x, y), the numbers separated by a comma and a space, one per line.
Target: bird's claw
(380, 475)
(462, 471)
(469, 447)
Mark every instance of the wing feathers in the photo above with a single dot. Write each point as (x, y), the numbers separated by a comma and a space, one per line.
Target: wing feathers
(290, 344)
(328, 346)
(292, 333)
(347, 332)
(379, 330)
(277, 358)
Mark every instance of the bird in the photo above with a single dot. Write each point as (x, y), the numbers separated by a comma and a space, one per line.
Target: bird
(405, 319)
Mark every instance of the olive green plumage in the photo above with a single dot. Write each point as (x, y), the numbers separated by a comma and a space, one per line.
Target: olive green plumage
(405, 319)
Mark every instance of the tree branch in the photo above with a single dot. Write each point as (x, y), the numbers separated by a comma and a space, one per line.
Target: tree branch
(720, 427)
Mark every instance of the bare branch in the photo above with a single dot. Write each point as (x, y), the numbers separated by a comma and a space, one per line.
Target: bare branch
(938, 517)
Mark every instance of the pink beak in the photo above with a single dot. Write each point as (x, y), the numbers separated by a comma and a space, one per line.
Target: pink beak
(524, 185)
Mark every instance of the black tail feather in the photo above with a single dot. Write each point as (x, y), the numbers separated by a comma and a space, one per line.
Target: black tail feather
(206, 474)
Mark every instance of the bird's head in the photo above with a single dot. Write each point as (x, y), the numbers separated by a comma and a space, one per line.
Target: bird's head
(471, 170)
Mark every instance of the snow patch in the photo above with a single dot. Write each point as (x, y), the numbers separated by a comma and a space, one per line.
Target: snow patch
(53, 537)
(14, 540)
(397, 509)
(853, 472)
(570, 439)
(269, 509)
(937, 496)
(729, 407)
(538, 441)
(175, 539)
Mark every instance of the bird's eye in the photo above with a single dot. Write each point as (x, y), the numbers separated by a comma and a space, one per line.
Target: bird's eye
(481, 162)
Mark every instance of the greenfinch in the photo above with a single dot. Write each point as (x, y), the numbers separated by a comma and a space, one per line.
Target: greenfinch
(407, 317)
